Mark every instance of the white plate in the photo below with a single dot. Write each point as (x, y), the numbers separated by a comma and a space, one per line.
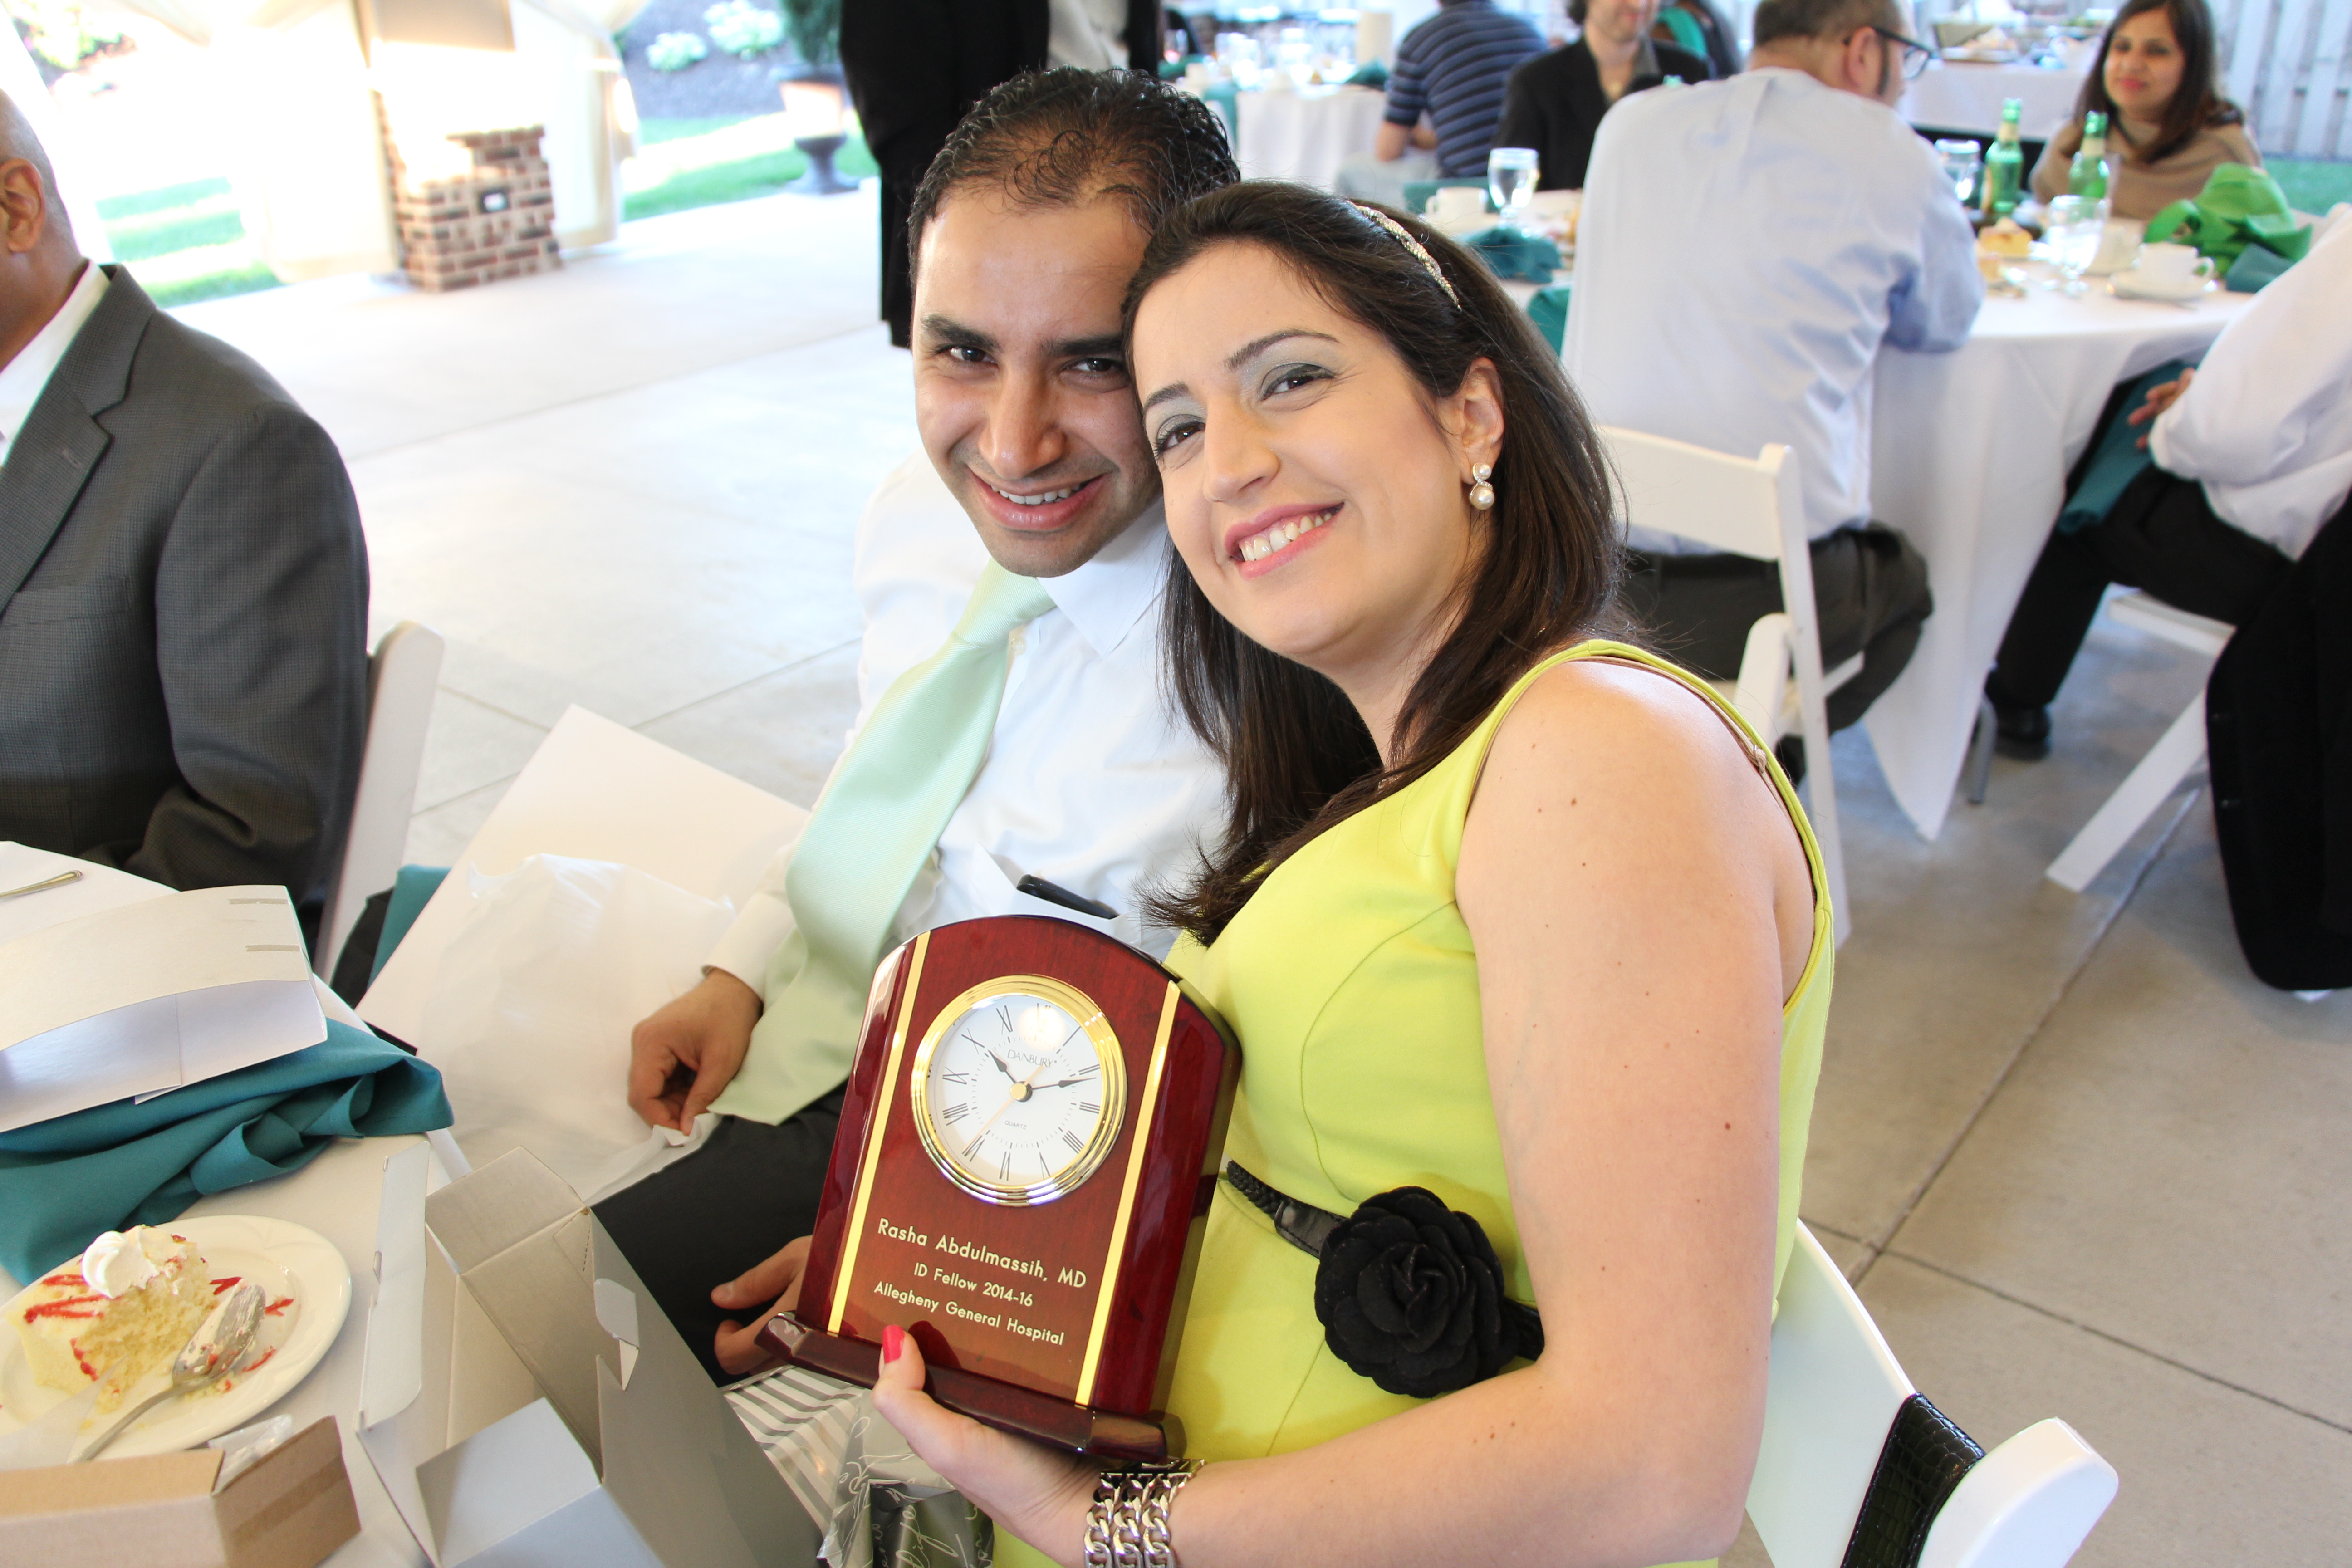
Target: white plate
(296, 1266)
(2130, 285)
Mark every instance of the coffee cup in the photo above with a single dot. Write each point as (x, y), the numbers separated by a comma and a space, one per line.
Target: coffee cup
(2173, 266)
(1452, 204)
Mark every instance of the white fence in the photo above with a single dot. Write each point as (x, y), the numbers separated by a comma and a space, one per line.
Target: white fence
(2289, 64)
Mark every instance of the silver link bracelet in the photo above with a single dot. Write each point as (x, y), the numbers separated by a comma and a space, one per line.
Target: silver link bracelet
(1128, 1525)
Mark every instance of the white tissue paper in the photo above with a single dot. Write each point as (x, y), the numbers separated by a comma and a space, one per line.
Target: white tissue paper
(530, 1015)
(248, 1446)
(50, 1438)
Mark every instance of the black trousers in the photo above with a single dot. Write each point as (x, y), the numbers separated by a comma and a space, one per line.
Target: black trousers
(1870, 594)
(2160, 536)
(731, 1203)
(902, 171)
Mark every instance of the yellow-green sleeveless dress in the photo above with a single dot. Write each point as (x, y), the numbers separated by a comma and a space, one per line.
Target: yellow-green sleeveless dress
(1350, 982)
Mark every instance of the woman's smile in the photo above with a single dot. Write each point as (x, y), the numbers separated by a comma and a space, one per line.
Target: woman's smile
(1275, 535)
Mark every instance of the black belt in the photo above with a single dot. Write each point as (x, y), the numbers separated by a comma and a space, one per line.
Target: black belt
(1409, 1292)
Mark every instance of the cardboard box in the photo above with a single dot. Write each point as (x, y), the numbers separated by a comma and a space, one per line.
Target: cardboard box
(526, 1403)
(291, 1509)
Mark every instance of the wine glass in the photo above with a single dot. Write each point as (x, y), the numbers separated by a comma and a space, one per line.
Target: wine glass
(1963, 163)
(1511, 174)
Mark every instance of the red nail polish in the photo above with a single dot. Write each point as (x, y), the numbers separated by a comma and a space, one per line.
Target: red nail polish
(894, 1342)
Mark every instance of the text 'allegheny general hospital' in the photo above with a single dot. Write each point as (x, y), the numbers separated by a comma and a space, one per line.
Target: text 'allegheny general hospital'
(946, 1276)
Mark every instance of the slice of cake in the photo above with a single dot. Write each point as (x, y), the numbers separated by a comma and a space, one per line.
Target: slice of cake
(123, 1311)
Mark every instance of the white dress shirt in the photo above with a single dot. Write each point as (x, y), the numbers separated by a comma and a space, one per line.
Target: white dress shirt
(1743, 249)
(26, 377)
(2267, 424)
(1090, 781)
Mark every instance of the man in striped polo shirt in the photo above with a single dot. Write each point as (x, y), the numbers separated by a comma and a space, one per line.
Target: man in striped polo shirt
(1450, 72)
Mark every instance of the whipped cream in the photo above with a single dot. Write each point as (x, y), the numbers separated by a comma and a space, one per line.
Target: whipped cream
(116, 1265)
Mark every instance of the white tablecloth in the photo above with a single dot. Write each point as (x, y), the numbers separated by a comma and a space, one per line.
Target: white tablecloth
(1953, 95)
(337, 1196)
(1968, 456)
(1302, 135)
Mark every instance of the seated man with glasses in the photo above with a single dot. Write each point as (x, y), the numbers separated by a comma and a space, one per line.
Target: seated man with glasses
(1746, 249)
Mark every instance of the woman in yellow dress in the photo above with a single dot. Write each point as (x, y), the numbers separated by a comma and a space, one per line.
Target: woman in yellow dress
(1523, 935)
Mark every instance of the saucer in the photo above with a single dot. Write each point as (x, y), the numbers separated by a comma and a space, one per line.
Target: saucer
(2132, 284)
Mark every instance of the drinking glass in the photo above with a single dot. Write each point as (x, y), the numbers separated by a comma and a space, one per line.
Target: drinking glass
(1963, 163)
(1511, 174)
(2074, 228)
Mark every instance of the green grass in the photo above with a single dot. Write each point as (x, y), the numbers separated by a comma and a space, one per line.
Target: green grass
(181, 230)
(653, 132)
(112, 208)
(2312, 187)
(247, 279)
(740, 179)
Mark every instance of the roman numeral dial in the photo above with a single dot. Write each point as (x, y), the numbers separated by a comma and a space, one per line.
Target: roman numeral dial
(1019, 1089)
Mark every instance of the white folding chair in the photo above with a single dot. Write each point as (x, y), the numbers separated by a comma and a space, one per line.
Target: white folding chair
(2167, 762)
(402, 676)
(1753, 507)
(1857, 1469)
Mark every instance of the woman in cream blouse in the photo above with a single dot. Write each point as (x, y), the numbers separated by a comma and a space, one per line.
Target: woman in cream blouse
(2169, 125)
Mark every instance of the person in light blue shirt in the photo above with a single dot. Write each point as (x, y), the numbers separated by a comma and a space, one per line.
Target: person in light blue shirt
(1747, 248)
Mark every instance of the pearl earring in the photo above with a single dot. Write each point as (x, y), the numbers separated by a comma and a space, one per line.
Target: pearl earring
(1482, 494)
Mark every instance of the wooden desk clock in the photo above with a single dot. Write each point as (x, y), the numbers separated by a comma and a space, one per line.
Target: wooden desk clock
(1027, 1146)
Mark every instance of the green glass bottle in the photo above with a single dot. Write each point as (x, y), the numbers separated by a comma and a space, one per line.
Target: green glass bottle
(2090, 173)
(2004, 174)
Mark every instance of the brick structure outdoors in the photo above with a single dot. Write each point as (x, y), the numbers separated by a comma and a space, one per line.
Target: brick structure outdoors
(495, 221)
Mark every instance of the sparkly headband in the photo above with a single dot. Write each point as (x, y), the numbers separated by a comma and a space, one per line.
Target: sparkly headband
(1421, 252)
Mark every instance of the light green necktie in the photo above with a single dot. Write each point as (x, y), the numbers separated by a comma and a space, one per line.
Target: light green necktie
(869, 835)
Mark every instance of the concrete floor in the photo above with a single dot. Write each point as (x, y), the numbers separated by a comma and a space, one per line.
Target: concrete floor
(2079, 1161)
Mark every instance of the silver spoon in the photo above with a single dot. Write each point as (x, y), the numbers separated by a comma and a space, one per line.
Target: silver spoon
(219, 1348)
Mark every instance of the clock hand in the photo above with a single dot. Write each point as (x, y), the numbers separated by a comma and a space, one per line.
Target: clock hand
(1064, 1083)
(992, 1056)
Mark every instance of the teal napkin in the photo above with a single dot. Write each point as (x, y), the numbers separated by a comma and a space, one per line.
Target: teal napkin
(2255, 268)
(1371, 73)
(1513, 253)
(411, 889)
(65, 1180)
(2120, 458)
(1547, 308)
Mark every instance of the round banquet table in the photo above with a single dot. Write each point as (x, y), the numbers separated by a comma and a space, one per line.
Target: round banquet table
(1303, 133)
(1954, 95)
(1969, 452)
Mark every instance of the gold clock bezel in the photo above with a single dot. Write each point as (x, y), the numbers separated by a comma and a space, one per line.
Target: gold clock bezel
(1108, 1052)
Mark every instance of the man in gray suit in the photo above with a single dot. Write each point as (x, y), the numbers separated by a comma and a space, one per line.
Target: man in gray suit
(183, 582)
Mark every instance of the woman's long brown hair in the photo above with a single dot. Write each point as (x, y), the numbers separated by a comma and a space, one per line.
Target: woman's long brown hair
(1547, 564)
(2197, 103)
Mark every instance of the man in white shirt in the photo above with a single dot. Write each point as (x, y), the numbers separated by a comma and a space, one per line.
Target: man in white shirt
(1035, 456)
(1746, 249)
(2252, 455)
(183, 580)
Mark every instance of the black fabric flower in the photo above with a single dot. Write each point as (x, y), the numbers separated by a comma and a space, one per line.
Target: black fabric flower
(1410, 1294)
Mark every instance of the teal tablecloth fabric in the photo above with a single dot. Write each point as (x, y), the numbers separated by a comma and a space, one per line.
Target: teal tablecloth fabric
(1547, 308)
(65, 1180)
(410, 891)
(2120, 457)
(1514, 253)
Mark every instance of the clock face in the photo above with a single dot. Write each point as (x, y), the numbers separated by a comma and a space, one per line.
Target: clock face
(1019, 1089)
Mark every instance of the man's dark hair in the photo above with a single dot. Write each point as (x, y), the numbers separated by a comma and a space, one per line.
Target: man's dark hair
(1777, 19)
(1062, 137)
